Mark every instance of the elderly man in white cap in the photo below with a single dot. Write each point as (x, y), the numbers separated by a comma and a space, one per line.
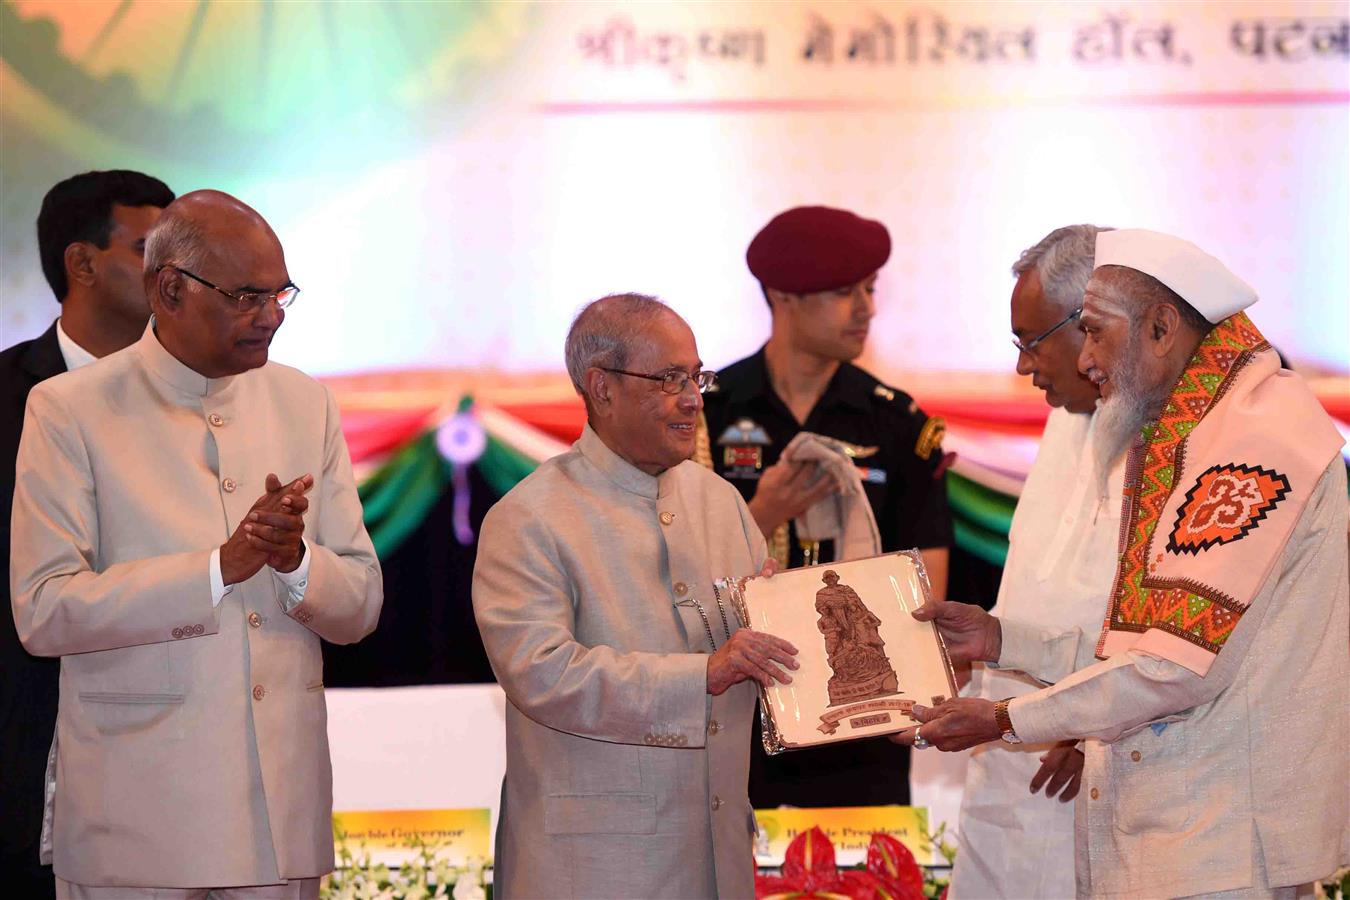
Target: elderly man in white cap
(1216, 709)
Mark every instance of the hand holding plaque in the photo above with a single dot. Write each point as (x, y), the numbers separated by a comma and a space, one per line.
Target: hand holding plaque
(864, 660)
(968, 632)
(748, 656)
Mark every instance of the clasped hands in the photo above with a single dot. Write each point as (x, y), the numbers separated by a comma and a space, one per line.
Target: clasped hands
(973, 635)
(271, 534)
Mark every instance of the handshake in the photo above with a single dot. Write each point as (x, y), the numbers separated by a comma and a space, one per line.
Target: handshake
(271, 534)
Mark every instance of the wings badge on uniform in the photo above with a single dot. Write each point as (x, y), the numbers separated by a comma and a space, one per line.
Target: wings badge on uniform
(856, 451)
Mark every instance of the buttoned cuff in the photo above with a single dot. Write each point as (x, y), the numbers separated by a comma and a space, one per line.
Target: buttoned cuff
(218, 586)
(296, 582)
(683, 707)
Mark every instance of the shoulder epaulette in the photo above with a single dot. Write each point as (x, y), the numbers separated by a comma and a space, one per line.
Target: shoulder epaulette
(930, 437)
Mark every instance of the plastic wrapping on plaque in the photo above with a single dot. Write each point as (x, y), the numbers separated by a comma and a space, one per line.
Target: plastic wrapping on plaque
(865, 661)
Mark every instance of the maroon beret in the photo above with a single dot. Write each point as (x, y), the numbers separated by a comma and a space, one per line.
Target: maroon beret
(817, 248)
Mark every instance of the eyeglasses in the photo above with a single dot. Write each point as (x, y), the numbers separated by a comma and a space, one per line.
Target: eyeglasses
(244, 301)
(674, 381)
(1030, 345)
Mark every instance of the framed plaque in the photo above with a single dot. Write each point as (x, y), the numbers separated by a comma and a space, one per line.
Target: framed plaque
(865, 661)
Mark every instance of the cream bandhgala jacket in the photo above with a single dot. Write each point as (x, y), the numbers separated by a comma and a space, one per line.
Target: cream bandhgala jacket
(191, 740)
(593, 591)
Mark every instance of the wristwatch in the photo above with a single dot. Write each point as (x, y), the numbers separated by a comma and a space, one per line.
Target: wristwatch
(1004, 722)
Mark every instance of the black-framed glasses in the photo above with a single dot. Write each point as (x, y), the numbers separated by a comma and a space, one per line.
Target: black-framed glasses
(244, 301)
(673, 381)
(1030, 345)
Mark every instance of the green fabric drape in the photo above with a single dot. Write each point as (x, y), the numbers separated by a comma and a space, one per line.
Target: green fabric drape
(503, 467)
(981, 518)
(398, 496)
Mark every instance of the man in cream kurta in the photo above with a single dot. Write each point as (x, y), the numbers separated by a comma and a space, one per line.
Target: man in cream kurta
(627, 751)
(1061, 558)
(191, 736)
(1217, 702)
(1016, 842)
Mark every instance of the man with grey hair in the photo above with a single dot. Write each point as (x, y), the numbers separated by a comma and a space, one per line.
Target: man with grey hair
(1046, 302)
(191, 751)
(1214, 702)
(1016, 842)
(630, 687)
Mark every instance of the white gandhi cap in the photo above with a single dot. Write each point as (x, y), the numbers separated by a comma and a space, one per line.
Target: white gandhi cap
(1199, 279)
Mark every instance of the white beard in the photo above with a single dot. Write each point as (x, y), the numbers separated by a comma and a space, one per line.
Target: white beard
(1120, 418)
(1115, 425)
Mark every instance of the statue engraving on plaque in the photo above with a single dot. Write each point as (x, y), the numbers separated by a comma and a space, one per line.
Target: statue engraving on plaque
(853, 645)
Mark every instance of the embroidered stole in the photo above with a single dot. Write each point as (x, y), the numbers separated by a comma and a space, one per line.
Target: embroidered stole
(1212, 493)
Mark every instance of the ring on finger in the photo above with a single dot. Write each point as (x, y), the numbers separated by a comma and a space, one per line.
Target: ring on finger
(920, 742)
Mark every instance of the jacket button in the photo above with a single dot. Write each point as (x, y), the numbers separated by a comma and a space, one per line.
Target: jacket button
(255, 620)
(198, 630)
(1135, 755)
(681, 741)
(177, 633)
(681, 588)
(667, 518)
(714, 726)
(1094, 794)
(229, 484)
(259, 692)
(648, 739)
(216, 419)
(716, 803)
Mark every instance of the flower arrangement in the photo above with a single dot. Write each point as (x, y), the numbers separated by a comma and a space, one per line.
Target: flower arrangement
(426, 875)
(809, 871)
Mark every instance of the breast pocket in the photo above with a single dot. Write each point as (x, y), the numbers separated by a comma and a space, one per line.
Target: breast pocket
(1150, 775)
(126, 690)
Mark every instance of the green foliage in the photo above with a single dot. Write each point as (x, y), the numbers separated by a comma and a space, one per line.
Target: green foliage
(933, 885)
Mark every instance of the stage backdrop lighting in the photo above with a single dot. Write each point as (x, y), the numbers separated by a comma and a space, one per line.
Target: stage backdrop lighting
(452, 180)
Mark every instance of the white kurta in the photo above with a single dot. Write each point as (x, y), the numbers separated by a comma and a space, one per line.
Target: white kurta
(1061, 559)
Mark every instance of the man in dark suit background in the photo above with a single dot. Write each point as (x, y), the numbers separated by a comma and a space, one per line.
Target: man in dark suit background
(91, 234)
